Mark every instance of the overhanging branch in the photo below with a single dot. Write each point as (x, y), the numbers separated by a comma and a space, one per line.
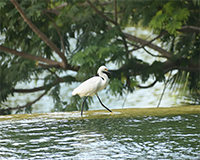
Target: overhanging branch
(24, 106)
(29, 56)
(54, 10)
(101, 14)
(151, 85)
(153, 54)
(192, 29)
(36, 89)
(41, 34)
(149, 42)
(115, 10)
(134, 68)
(51, 63)
(61, 38)
(146, 43)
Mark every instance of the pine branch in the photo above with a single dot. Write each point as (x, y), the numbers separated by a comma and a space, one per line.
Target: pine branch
(41, 34)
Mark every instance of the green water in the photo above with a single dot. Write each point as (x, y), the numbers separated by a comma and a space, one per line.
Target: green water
(150, 137)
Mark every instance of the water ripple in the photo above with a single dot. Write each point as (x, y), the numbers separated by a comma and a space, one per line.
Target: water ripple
(170, 137)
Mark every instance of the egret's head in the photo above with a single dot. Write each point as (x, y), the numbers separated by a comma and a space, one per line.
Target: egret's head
(103, 69)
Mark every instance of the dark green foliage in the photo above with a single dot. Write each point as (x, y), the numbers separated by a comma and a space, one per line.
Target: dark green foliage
(170, 17)
(98, 39)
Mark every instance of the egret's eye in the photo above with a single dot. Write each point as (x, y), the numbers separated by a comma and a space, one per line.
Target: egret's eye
(106, 69)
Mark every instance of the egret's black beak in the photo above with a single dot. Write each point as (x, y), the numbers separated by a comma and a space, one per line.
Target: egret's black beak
(111, 72)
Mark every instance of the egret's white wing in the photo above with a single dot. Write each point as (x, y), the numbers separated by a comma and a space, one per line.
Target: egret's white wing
(89, 87)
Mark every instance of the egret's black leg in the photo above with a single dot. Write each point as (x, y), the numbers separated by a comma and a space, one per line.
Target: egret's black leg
(83, 105)
(103, 104)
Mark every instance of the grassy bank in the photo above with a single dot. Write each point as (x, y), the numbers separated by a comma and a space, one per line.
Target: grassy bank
(117, 113)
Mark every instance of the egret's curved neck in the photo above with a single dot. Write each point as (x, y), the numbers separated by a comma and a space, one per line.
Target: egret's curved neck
(104, 76)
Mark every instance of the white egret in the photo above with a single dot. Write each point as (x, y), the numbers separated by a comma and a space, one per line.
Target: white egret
(93, 85)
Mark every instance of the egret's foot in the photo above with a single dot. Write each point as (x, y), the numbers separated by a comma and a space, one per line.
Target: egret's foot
(111, 113)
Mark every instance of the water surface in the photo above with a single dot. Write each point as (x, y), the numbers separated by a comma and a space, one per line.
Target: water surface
(148, 137)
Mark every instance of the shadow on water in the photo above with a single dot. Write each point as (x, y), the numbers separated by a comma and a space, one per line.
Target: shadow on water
(148, 137)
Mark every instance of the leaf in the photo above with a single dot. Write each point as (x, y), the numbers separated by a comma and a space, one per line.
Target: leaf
(181, 14)
(116, 86)
(34, 11)
(158, 20)
(55, 93)
(172, 26)
(169, 8)
(2, 4)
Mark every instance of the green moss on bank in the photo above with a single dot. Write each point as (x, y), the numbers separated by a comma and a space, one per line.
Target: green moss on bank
(100, 114)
